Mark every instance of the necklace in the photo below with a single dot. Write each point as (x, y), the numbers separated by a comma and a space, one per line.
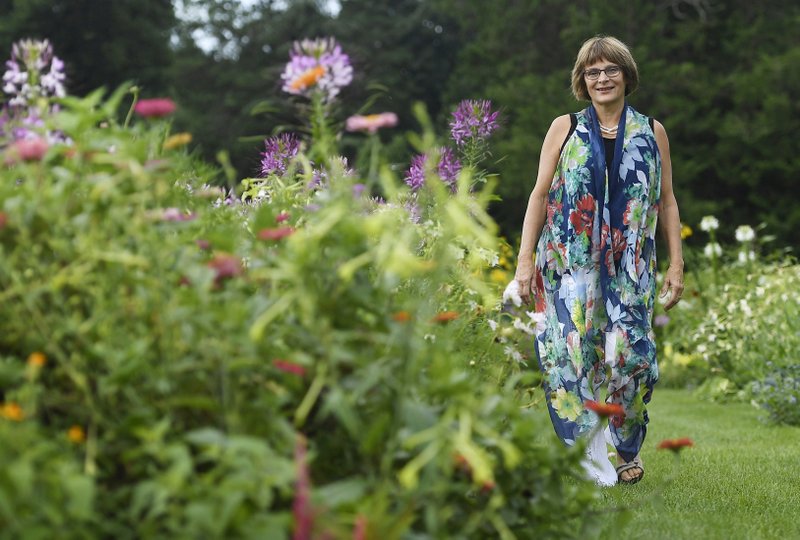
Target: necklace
(608, 130)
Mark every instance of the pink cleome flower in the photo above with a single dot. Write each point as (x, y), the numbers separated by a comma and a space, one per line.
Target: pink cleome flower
(372, 122)
(155, 108)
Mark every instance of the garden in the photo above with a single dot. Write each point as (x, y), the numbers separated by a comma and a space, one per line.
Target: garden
(325, 351)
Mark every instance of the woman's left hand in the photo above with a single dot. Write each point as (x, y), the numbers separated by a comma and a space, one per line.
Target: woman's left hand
(673, 284)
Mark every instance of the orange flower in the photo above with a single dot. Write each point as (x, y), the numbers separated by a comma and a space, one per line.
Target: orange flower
(402, 316)
(676, 445)
(76, 435)
(37, 359)
(604, 410)
(310, 77)
(11, 411)
(445, 316)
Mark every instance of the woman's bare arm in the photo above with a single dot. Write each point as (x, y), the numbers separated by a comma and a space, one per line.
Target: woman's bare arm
(669, 221)
(537, 203)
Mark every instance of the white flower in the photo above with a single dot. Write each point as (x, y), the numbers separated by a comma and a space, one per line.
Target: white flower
(492, 324)
(519, 325)
(751, 255)
(513, 353)
(709, 223)
(540, 319)
(745, 307)
(712, 249)
(745, 233)
(511, 294)
(742, 257)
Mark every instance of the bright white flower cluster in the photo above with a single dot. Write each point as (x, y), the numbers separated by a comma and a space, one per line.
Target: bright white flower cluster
(745, 233)
(709, 223)
(712, 249)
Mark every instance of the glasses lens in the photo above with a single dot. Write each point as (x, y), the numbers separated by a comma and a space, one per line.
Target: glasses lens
(592, 73)
(612, 71)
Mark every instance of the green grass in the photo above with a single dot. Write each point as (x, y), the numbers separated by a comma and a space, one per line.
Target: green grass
(741, 479)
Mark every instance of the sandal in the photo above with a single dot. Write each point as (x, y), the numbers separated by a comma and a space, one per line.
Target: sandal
(635, 463)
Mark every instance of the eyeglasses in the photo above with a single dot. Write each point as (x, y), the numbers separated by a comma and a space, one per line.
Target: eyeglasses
(594, 74)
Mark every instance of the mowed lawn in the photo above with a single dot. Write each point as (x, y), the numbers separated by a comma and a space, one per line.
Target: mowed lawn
(741, 479)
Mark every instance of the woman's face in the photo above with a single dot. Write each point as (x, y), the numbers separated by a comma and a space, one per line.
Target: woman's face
(606, 88)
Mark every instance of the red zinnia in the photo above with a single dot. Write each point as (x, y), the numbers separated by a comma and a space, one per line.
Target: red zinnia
(225, 266)
(275, 234)
(676, 445)
(605, 410)
(155, 108)
(289, 367)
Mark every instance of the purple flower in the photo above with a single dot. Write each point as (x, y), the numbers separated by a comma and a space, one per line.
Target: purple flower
(661, 320)
(33, 72)
(358, 190)
(415, 175)
(317, 64)
(320, 177)
(473, 119)
(280, 151)
(447, 169)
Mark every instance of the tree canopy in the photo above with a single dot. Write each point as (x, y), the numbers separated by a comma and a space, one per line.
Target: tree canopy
(719, 74)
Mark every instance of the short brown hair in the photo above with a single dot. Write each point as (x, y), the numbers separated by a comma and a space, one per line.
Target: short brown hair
(604, 48)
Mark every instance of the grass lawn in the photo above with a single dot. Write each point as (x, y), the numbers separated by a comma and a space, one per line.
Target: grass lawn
(741, 480)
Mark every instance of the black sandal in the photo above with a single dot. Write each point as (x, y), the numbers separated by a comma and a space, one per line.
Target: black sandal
(635, 463)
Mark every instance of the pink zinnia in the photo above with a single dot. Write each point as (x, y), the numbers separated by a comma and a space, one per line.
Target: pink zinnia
(26, 150)
(275, 234)
(289, 367)
(155, 108)
(371, 123)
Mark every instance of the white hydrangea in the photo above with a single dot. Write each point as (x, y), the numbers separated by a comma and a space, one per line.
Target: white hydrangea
(709, 223)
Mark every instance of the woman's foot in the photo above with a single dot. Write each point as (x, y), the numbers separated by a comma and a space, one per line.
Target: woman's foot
(630, 472)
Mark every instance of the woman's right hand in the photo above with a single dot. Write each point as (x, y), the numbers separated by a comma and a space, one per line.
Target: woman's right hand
(524, 278)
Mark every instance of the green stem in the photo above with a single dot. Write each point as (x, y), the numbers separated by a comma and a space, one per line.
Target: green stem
(375, 147)
(135, 91)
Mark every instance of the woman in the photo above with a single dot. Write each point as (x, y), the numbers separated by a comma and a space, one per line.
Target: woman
(604, 181)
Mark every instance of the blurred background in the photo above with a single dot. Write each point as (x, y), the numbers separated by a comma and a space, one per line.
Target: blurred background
(721, 75)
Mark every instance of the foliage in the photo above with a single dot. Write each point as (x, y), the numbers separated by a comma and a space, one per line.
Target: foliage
(164, 355)
(722, 336)
(778, 392)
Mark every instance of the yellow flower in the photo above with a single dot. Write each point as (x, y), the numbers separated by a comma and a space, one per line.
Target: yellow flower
(499, 276)
(686, 231)
(76, 435)
(568, 405)
(177, 140)
(11, 411)
(37, 359)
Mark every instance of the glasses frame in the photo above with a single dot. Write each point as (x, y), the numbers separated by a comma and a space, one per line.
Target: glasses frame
(604, 70)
